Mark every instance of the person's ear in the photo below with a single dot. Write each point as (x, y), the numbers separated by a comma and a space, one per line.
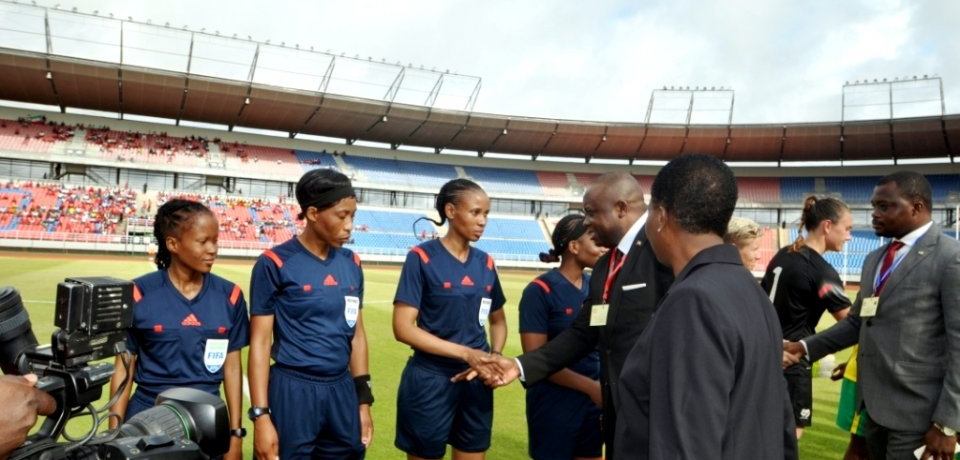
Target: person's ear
(918, 207)
(449, 210)
(173, 244)
(574, 247)
(663, 218)
(826, 225)
(620, 208)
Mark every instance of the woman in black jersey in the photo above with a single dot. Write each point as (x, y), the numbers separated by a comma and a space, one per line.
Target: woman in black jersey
(802, 285)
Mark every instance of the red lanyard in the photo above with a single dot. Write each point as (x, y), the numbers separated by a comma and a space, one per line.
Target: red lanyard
(612, 272)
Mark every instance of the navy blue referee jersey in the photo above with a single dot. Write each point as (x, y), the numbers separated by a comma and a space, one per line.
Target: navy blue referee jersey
(315, 304)
(181, 342)
(454, 298)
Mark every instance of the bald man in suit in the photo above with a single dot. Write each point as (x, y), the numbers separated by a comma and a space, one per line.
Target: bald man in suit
(625, 288)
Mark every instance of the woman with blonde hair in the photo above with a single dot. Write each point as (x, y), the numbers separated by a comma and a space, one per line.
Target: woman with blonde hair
(745, 235)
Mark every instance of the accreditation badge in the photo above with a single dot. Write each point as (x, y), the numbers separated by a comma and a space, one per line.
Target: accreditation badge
(868, 307)
(351, 309)
(484, 311)
(598, 314)
(214, 354)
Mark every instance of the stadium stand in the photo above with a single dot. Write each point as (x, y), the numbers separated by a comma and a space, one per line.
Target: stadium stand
(851, 189)
(408, 173)
(795, 189)
(499, 180)
(32, 134)
(759, 189)
(556, 183)
(36, 211)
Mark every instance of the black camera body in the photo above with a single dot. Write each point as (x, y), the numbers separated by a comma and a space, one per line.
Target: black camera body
(92, 316)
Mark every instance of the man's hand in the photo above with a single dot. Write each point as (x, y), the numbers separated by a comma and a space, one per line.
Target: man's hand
(497, 371)
(938, 445)
(838, 371)
(792, 353)
(21, 403)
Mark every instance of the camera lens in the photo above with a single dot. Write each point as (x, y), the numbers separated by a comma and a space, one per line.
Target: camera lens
(16, 335)
(165, 419)
(184, 414)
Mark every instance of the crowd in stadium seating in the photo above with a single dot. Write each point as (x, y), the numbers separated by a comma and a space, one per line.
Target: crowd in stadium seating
(38, 134)
(130, 142)
(65, 208)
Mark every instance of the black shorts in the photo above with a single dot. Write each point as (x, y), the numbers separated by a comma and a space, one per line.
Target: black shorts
(800, 387)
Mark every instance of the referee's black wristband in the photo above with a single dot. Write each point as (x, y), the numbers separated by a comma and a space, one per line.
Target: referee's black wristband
(364, 389)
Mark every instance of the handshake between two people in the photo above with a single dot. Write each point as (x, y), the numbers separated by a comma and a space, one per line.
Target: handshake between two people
(793, 352)
(496, 370)
(493, 369)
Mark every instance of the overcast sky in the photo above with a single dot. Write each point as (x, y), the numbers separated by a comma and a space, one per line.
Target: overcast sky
(786, 60)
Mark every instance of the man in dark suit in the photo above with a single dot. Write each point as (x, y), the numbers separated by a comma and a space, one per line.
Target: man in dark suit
(625, 287)
(704, 378)
(907, 321)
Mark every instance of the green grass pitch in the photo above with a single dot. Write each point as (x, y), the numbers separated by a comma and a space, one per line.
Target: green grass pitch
(36, 276)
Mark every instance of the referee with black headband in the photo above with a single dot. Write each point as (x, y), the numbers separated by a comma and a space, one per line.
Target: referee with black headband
(306, 297)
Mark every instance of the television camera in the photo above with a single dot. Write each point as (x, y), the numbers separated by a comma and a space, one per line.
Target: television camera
(92, 316)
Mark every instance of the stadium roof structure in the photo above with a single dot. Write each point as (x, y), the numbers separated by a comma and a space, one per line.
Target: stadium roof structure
(34, 76)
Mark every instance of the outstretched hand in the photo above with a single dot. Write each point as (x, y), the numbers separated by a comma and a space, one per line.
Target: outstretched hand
(792, 353)
(497, 371)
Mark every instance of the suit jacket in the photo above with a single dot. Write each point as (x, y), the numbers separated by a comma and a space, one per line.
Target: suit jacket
(704, 380)
(633, 297)
(909, 358)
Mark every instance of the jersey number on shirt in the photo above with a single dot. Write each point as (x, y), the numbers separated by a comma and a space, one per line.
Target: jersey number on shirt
(776, 279)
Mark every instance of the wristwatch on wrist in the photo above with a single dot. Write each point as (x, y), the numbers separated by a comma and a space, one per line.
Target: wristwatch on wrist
(255, 412)
(239, 432)
(945, 430)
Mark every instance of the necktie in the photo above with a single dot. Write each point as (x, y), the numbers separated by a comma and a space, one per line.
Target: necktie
(888, 257)
(616, 263)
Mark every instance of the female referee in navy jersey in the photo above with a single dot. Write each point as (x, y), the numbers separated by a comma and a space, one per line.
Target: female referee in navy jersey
(305, 302)
(447, 294)
(563, 413)
(188, 324)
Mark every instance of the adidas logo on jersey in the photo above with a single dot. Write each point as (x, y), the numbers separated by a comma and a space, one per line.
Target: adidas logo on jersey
(466, 281)
(329, 281)
(190, 320)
